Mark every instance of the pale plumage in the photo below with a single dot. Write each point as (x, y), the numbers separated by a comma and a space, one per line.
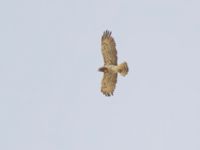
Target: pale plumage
(110, 68)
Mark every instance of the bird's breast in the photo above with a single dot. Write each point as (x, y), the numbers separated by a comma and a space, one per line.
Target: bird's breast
(112, 68)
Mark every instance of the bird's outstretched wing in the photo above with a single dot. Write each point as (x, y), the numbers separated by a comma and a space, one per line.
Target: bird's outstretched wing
(108, 48)
(108, 83)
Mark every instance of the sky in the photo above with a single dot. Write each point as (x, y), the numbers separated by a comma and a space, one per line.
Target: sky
(50, 95)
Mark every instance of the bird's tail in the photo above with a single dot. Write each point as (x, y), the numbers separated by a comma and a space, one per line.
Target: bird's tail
(123, 68)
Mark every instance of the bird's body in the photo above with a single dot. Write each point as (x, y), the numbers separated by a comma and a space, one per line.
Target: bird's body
(110, 68)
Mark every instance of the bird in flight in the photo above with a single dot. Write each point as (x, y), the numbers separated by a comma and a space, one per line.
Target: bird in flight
(110, 67)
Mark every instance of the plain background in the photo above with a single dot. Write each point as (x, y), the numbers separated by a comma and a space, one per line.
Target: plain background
(50, 95)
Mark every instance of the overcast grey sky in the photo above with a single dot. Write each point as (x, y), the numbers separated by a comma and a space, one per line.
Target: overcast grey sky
(50, 95)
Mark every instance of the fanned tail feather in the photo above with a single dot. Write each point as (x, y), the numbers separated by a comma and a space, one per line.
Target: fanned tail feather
(123, 69)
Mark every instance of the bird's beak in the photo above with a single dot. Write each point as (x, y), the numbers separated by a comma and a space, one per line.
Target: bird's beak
(102, 69)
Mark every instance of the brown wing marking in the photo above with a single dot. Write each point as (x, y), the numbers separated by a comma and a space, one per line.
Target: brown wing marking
(108, 48)
(108, 83)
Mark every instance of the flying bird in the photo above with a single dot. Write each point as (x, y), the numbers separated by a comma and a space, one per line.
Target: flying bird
(110, 67)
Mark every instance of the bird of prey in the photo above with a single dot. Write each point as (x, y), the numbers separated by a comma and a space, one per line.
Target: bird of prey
(110, 67)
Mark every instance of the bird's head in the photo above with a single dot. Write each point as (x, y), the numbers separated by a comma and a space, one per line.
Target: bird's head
(103, 69)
